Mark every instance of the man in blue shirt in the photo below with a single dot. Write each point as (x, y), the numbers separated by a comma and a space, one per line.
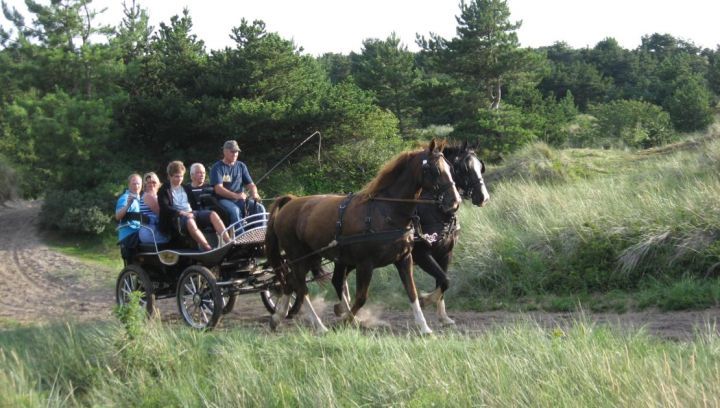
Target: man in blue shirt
(230, 178)
(129, 203)
(127, 214)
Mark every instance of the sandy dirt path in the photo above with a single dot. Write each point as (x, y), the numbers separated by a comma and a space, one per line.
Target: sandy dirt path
(38, 284)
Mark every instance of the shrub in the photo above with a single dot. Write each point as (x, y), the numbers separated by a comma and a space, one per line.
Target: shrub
(496, 132)
(344, 168)
(8, 181)
(630, 123)
(76, 212)
(689, 105)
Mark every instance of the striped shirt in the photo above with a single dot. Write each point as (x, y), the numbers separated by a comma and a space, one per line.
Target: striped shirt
(144, 208)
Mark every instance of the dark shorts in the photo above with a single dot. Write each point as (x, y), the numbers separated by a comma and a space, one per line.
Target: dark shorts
(202, 219)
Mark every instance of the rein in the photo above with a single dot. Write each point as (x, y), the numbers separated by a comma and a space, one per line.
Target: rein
(405, 200)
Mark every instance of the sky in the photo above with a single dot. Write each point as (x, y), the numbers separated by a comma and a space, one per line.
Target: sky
(340, 26)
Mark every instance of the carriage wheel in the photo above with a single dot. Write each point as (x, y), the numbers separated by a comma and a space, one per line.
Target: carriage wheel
(199, 299)
(270, 297)
(133, 278)
(229, 302)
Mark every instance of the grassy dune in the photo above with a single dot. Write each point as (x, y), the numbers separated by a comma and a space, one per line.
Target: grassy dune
(579, 222)
(606, 229)
(513, 366)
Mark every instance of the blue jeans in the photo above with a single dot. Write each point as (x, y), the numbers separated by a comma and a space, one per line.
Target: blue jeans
(236, 211)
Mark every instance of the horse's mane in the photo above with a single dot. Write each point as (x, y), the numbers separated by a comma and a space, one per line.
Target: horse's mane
(388, 174)
(454, 149)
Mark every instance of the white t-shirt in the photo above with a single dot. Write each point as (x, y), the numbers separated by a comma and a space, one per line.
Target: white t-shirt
(180, 199)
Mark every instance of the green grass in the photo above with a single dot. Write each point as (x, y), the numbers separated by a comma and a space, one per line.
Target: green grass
(100, 250)
(624, 221)
(518, 365)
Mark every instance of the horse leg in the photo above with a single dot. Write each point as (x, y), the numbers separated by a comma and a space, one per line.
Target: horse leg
(301, 292)
(313, 317)
(317, 271)
(281, 310)
(405, 269)
(292, 276)
(339, 281)
(444, 261)
(424, 259)
(363, 277)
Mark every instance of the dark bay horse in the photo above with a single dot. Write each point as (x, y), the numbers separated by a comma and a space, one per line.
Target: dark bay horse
(367, 230)
(433, 247)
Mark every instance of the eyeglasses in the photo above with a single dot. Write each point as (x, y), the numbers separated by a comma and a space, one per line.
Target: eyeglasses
(150, 182)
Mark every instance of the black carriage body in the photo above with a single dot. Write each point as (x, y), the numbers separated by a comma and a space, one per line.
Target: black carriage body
(208, 281)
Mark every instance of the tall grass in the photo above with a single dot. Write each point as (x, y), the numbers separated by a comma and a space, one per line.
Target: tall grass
(518, 365)
(622, 220)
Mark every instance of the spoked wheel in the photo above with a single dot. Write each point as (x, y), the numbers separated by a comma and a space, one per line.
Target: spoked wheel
(134, 278)
(270, 297)
(199, 299)
(228, 302)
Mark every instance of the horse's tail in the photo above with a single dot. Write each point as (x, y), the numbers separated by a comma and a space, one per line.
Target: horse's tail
(272, 246)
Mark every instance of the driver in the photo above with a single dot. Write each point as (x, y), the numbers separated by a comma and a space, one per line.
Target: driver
(230, 178)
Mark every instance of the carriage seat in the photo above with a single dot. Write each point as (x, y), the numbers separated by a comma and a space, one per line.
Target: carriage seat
(150, 247)
(210, 202)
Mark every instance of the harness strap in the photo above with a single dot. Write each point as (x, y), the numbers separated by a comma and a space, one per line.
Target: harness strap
(372, 236)
(341, 214)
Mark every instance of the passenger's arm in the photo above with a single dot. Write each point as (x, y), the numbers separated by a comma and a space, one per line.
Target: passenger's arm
(122, 207)
(152, 203)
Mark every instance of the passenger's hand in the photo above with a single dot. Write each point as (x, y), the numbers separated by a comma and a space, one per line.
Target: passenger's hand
(242, 196)
(255, 196)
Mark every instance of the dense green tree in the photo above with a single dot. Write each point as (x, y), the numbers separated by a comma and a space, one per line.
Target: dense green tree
(56, 50)
(387, 68)
(689, 104)
(571, 71)
(164, 115)
(618, 64)
(337, 66)
(134, 33)
(714, 71)
(58, 141)
(485, 55)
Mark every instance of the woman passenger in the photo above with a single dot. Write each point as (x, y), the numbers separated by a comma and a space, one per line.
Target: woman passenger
(150, 208)
(178, 208)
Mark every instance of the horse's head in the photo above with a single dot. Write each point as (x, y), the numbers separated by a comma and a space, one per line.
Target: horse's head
(468, 171)
(437, 178)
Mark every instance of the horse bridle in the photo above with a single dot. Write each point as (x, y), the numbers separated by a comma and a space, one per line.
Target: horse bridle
(432, 172)
(465, 181)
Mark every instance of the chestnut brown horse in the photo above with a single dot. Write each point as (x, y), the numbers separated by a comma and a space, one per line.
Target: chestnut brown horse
(368, 230)
(438, 233)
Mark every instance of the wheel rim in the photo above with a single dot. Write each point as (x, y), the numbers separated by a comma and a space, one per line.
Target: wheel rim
(131, 282)
(272, 298)
(197, 300)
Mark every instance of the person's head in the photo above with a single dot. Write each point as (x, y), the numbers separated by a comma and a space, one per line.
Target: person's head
(151, 182)
(176, 172)
(197, 174)
(134, 183)
(230, 151)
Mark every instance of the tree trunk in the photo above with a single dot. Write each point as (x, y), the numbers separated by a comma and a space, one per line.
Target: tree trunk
(495, 95)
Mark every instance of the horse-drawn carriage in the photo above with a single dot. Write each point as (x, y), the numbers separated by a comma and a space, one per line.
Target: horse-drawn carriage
(205, 283)
(370, 229)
